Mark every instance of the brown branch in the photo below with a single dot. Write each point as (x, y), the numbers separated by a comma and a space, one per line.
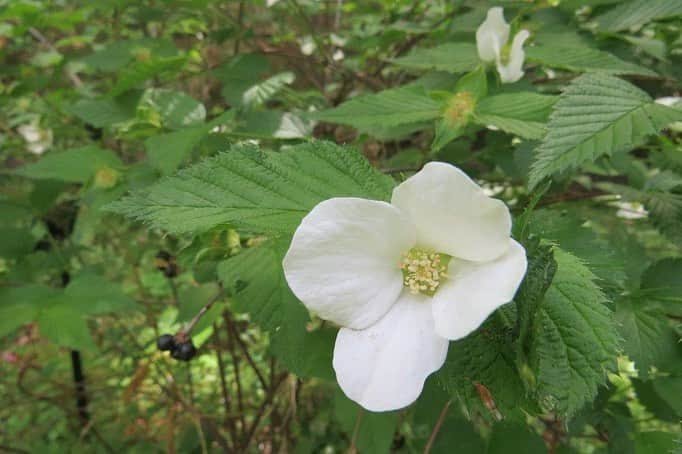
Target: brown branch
(261, 411)
(356, 431)
(235, 335)
(437, 427)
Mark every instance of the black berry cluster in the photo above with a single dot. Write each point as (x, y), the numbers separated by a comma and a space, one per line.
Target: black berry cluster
(180, 350)
(166, 263)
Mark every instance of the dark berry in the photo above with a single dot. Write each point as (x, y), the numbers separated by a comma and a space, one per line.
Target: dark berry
(167, 264)
(166, 342)
(184, 351)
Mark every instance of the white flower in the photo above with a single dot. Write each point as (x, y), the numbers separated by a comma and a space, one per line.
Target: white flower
(491, 39)
(37, 140)
(404, 278)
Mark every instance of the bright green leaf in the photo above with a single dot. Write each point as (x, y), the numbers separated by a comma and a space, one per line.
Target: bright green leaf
(75, 166)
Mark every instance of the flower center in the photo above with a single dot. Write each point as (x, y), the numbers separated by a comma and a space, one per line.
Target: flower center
(423, 270)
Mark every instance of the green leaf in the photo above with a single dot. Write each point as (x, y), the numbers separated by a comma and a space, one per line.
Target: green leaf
(665, 405)
(385, 109)
(661, 281)
(102, 113)
(508, 434)
(239, 74)
(116, 54)
(192, 299)
(21, 305)
(539, 275)
(522, 113)
(16, 242)
(256, 279)
(65, 326)
(375, 430)
(74, 166)
(141, 71)
(597, 115)
(259, 288)
(250, 189)
(176, 109)
(451, 57)
(485, 358)
(263, 91)
(575, 340)
(654, 442)
(647, 338)
(638, 12)
(583, 59)
(167, 151)
(89, 293)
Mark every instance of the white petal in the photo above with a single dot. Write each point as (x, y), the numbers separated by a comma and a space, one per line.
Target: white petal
(344, 259)
(452, 213)
(513, 71)
(473, 291)
(384, 366)
(492, 35)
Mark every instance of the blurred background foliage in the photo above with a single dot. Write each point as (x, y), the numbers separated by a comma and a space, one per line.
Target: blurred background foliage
(101, 98)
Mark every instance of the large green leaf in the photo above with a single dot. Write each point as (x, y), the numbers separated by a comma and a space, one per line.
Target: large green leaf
(384, 109)
(75, 166)
(583, 59)
(257, 282)
(247, 188)
(522, 113)
(638, 12)
(597, 115)
(102, 112)
(575, 340)
(167, 151)
(20, 305)
(374, 430)
(451, 57)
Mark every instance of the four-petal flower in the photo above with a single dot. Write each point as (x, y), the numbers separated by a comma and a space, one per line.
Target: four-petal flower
(491, 40)
(404, 278)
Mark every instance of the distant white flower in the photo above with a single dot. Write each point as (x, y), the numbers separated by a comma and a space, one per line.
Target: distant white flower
(37, 140)
(404, 278)
(491, 39)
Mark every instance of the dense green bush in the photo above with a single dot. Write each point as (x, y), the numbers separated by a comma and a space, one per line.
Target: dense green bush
(158, 157)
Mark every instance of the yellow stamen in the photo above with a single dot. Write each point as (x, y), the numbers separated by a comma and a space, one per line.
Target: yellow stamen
(423, 270)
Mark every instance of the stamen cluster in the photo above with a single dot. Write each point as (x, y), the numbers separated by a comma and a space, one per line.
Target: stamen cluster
(423, 270)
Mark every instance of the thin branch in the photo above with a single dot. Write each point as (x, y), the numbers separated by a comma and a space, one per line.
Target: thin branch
(245, 351)
(436, 428)
(190, 325)
(356, 431)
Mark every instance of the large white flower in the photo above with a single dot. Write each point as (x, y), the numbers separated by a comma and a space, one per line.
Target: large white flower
(491, 39)
(404, 278)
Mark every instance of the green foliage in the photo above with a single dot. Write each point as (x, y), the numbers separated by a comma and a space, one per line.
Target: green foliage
(568, 368)
(385, 109)
(638, 12)
(247, 188)
(597, 115)
(76, 166)
(216, 124)
(522, 113)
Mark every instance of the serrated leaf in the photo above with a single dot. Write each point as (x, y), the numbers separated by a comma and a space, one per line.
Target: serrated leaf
(575, 340)
(451, 57)
(539, 275)
(384, 109)
(597, 115)
(75, 166)
(247, 188)
(523, 114)
(487, 358)
(638, 12)
(647, 338)
(583, 59)
(258, 286)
